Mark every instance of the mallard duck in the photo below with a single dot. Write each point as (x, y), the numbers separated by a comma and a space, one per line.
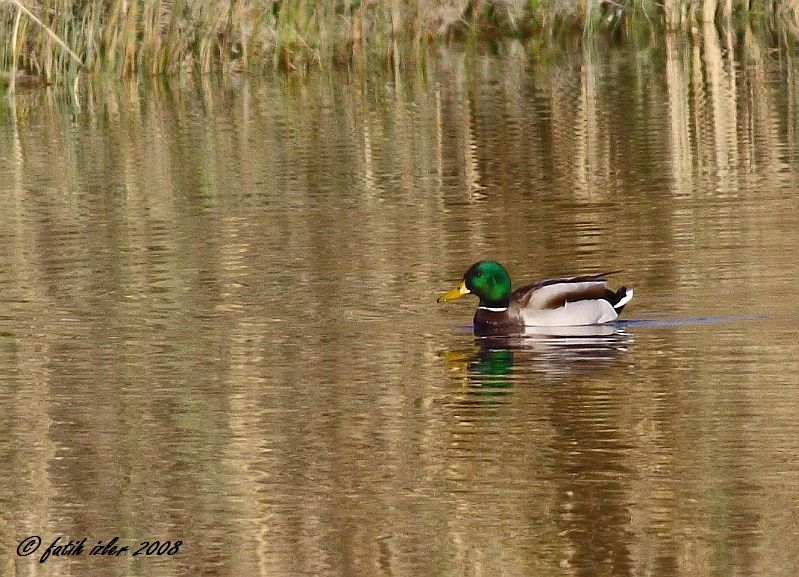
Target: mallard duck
(557, 302)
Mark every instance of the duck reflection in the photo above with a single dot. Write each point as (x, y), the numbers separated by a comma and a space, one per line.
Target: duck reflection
(490, 368)
(486, 375)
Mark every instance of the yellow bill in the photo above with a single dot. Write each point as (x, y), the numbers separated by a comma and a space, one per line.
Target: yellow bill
(455, 293)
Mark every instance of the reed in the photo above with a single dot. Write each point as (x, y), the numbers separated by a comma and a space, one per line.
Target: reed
(55, 40)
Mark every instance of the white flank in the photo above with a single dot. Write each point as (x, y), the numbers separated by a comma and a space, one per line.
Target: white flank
(585, 312)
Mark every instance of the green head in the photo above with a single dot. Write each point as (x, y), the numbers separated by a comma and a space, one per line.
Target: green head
(488, 280)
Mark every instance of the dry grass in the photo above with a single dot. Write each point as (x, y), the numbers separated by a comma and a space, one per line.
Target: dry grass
(56, 39)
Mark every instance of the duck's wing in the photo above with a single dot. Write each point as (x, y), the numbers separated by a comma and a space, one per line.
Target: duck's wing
(555, 292)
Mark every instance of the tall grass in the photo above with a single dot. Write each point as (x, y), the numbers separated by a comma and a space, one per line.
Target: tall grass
(56, 39)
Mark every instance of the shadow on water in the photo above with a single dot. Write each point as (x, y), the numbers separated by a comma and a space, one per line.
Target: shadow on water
(689, 321)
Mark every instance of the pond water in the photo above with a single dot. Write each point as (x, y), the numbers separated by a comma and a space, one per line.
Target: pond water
(218, 322)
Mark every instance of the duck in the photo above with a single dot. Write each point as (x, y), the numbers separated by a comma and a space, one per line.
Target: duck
(555, 302)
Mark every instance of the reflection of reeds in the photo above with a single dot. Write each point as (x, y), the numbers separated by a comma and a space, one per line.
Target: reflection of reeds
(721, 97)
(58, 38)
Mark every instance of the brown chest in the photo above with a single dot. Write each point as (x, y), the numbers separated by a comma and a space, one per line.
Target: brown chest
(492, 322)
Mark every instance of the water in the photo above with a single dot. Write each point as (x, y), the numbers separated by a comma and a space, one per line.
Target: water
(218, 320)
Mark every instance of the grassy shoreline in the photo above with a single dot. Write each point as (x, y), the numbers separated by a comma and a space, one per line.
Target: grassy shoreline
(56, 40)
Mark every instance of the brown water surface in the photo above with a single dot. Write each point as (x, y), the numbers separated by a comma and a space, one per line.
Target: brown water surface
(218, 320)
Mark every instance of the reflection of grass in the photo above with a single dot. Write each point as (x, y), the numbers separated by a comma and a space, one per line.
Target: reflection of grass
(55, 39)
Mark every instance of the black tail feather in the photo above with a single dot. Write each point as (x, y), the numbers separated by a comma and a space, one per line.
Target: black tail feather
(614, 298)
